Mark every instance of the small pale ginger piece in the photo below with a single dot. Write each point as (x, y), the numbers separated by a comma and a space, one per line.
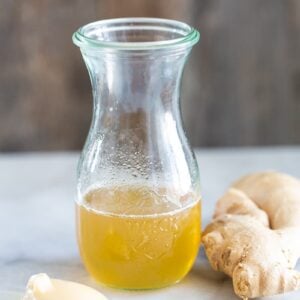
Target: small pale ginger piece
(255, 235)
(41, 287)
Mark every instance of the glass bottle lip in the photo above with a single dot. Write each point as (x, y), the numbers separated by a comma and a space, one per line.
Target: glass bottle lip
(103, 34)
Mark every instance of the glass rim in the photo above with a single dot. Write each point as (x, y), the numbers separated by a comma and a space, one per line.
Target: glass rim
(190, 36)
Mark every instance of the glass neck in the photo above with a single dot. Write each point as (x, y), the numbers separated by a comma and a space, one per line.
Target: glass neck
(134, 85)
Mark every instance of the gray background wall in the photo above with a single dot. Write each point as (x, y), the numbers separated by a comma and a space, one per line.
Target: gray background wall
(241, 85)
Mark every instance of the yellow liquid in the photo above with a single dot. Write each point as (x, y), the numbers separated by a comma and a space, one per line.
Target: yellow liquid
(131, 238)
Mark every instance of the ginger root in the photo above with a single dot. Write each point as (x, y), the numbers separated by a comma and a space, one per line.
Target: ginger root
(255, 235)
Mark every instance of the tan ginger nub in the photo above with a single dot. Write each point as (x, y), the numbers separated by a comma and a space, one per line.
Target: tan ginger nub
(255, 235)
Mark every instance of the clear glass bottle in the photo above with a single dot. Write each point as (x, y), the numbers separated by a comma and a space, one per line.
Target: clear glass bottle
(138, 207)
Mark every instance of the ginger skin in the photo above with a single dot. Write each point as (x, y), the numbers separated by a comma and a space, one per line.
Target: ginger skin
(255, 235)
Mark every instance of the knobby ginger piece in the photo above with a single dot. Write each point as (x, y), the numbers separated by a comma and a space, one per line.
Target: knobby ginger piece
(255, 235)
(41, 287)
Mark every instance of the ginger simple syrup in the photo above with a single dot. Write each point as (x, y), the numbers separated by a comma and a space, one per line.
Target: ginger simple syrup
(140, 243)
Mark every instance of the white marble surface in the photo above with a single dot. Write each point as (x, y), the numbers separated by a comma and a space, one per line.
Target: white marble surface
(37, 231)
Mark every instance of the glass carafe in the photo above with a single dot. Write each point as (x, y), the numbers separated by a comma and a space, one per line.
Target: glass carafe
(138, 206)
